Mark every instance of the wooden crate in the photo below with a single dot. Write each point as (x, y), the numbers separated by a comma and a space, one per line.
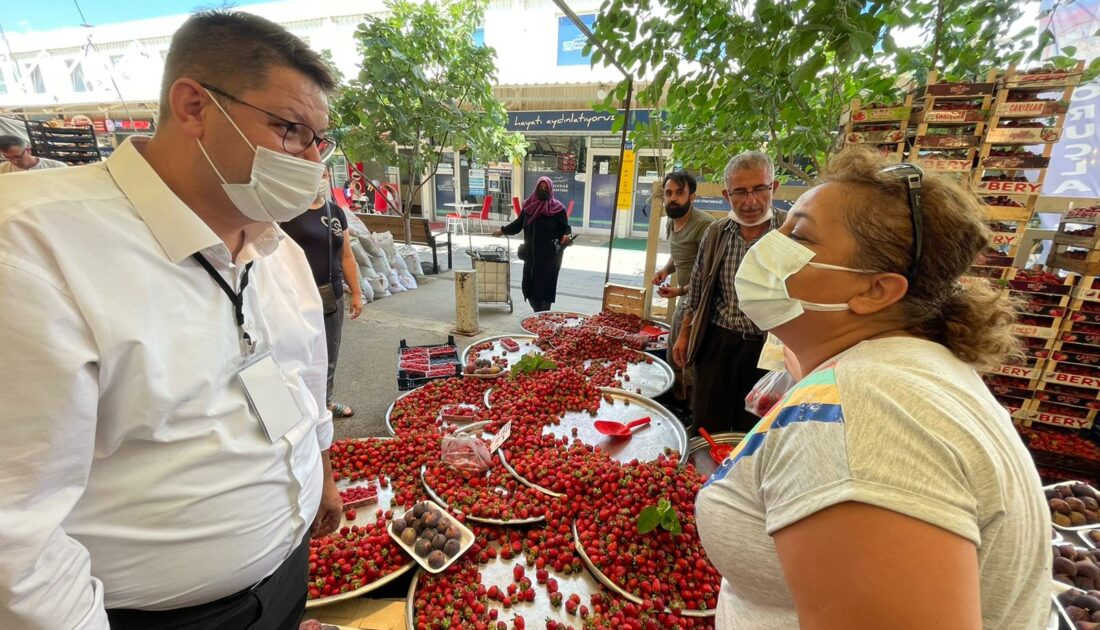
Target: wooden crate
(882, 127)
(619, 298)
(955, 130)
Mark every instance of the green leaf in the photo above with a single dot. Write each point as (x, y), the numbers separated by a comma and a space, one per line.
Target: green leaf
(667, 519)
(663, 505)
(647, 520)
(531, 363)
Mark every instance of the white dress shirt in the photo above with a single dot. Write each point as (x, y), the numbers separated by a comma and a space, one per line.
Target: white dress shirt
(134, 472)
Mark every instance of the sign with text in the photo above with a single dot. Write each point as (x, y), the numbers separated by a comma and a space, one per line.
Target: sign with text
(571, 41)
(626, 181)
(575, 120)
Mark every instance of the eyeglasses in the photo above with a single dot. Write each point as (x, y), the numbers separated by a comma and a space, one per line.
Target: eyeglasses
(741, 194)
(914, 177)
(297, 137)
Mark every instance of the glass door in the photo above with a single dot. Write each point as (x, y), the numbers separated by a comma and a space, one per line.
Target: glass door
(647, 175)
(603, 175)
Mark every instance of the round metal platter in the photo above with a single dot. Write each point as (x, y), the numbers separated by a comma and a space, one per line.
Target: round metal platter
(654, 379)
(498, 572)
(699, 451)
(645, 444)
(618, 590)
(365, 515)
(526, 344)
(572, 319)
(389, 410)
(490, 521)
(530, 484)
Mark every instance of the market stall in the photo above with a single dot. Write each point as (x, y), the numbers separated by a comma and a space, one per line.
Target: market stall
(501, 497)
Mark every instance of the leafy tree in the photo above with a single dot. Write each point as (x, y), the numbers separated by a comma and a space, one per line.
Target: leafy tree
(424, 86)
(740, 74)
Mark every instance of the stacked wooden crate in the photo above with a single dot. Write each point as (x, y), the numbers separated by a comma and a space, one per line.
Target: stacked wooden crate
(951, 121)
(882, 127)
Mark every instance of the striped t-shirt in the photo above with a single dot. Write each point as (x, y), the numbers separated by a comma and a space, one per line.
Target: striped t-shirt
(901, 424)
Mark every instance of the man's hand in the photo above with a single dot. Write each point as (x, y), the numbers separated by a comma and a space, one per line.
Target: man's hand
(355, 306)
(667, 291)
(331, 508)
(679, 351)
(498, 233)
(660, 276)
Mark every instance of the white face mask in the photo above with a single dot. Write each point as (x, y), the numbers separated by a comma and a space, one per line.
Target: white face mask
(767, 216)
(761, 281)
(281, 188)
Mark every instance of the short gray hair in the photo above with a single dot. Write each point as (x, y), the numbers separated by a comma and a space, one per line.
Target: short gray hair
(749, 160)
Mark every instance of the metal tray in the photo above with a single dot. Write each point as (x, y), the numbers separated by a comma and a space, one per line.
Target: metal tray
(645, 444)
(530, 484)
(699, 451)
(621, 592)
(393, 405)
(1075, 528)
(575, 319)
(365, 515)
(654, 379)
(526, 344)
(489, 521)
(499, 572)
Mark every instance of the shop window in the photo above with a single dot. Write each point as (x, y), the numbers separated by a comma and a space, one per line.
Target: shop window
(37, 83)
(77, 76)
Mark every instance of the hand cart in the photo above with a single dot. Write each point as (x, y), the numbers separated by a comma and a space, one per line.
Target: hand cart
(493, 265)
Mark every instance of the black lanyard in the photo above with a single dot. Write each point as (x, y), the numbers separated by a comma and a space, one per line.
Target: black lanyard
(237, 298)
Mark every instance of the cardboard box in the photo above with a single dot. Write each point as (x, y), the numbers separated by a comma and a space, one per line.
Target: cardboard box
(363, 614)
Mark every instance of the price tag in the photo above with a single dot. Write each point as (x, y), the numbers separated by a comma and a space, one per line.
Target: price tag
(498, 439)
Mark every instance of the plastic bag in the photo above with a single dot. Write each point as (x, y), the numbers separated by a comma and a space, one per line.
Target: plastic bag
(370, 245)
(366, 289)
(768, 391)
(407, 280)
(412, 260)
(385, 242)
(467, 454)
(395, 282)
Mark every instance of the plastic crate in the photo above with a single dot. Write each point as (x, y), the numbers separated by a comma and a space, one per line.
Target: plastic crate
(439, 356)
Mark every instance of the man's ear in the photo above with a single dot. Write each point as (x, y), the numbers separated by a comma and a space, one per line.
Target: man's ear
(883, 291)
(775, 185)
(188, 99)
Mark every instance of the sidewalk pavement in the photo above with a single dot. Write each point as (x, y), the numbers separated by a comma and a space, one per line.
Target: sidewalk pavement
(366, 376)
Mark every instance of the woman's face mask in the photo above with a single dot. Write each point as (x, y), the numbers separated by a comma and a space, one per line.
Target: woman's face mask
(542, 194)
(761, 281)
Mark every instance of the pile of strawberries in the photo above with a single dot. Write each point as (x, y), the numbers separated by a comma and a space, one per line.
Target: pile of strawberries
(418, 411)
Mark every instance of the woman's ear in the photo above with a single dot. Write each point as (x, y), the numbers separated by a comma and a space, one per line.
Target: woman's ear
(881, 292)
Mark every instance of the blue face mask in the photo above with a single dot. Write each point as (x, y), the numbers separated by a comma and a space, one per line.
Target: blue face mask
(761, 281)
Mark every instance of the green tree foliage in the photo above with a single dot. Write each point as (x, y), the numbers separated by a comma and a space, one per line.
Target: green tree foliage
(743, 74)
(424, 85)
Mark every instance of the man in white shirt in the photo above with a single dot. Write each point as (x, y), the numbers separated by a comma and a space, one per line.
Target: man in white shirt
(163, 428)
(18, 158)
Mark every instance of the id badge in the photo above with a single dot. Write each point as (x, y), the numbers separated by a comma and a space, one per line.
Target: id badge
(269, 396)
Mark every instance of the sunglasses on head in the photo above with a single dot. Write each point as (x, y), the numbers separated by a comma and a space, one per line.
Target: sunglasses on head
(913, 176)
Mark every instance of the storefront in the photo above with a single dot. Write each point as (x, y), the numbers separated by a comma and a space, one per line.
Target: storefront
(577, 149)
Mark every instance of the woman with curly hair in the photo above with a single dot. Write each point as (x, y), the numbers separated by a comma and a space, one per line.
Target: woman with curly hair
(888, 489)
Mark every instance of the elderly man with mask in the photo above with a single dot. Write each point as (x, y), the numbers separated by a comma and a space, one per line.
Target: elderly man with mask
(685, 231)
(164, 436)
(715, 337)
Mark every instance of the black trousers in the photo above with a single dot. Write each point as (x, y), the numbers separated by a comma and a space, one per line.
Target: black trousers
(274, 603)
(725, 372)
(539, 307)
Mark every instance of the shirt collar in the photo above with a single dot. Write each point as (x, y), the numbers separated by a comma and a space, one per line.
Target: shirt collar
(176, 227)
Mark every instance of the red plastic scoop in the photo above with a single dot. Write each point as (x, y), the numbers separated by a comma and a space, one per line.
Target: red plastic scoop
(718, 452)
(618, 429)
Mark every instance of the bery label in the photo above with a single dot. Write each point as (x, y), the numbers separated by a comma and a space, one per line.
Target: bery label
(1014, 370)
(1073, 379)
(1024, 188)
(1062, 421)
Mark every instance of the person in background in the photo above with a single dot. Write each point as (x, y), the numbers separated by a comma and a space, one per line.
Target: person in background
(890, 462)
(18, 157)
(685, 231)
(163, 431)
(322, 232)
(715, 336)
(545, 231)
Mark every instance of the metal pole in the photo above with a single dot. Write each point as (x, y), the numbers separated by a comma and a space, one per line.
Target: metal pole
(619, 181)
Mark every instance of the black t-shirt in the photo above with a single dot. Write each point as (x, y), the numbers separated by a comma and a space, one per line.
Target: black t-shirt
(310, 230)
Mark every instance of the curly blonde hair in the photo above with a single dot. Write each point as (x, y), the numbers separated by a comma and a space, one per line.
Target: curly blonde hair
(973, 320)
